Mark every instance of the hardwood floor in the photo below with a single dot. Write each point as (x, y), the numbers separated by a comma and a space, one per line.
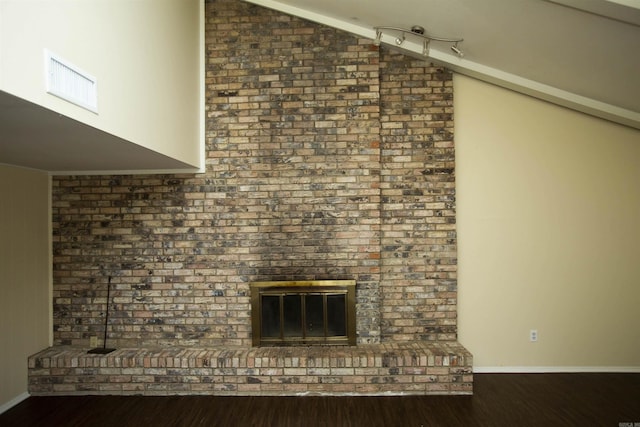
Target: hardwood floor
(499, 400)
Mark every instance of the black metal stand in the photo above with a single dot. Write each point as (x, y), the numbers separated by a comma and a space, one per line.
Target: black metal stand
(104, 349)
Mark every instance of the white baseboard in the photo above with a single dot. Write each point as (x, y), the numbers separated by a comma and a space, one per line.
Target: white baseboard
(13, 402)
(553, 369)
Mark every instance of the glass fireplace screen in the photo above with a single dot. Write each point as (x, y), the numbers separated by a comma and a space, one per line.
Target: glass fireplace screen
(303, 312)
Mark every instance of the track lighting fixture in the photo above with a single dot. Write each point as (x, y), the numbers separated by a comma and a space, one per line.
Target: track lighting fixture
(417, 31)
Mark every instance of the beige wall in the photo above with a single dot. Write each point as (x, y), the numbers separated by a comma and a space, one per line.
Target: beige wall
(145, 54)
(25, 304)
(549, 233)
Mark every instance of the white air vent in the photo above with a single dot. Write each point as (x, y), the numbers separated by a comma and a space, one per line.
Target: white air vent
(68, 82)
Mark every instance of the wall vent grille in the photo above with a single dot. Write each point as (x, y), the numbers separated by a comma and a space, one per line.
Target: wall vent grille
(68, 82)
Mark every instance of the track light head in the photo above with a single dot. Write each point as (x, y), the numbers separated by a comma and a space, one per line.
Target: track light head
(457, 50)
(378, 39)
(400, 40)
(425, 47)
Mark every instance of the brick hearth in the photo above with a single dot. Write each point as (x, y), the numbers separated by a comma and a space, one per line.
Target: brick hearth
(417, 368)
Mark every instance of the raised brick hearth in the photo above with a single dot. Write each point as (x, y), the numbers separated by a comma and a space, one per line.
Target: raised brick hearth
(418, 368)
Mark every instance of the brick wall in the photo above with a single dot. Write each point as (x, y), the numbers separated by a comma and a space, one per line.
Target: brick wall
(326, 159)
(418, 296)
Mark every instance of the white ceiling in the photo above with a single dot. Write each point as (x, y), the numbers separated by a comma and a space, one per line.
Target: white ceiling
(582, 54)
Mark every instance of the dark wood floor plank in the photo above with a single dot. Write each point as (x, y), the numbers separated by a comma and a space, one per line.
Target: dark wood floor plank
(499, 400)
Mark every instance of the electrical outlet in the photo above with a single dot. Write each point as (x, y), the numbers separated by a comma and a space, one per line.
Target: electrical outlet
(533, 335)
(93, 341)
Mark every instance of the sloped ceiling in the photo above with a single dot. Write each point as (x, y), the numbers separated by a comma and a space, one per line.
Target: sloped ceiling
(582, 54)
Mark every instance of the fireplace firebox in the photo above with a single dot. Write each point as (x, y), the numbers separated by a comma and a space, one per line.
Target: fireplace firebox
(310, 312)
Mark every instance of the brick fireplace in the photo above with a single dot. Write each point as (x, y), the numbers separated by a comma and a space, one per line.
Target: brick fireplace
(327, 159)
